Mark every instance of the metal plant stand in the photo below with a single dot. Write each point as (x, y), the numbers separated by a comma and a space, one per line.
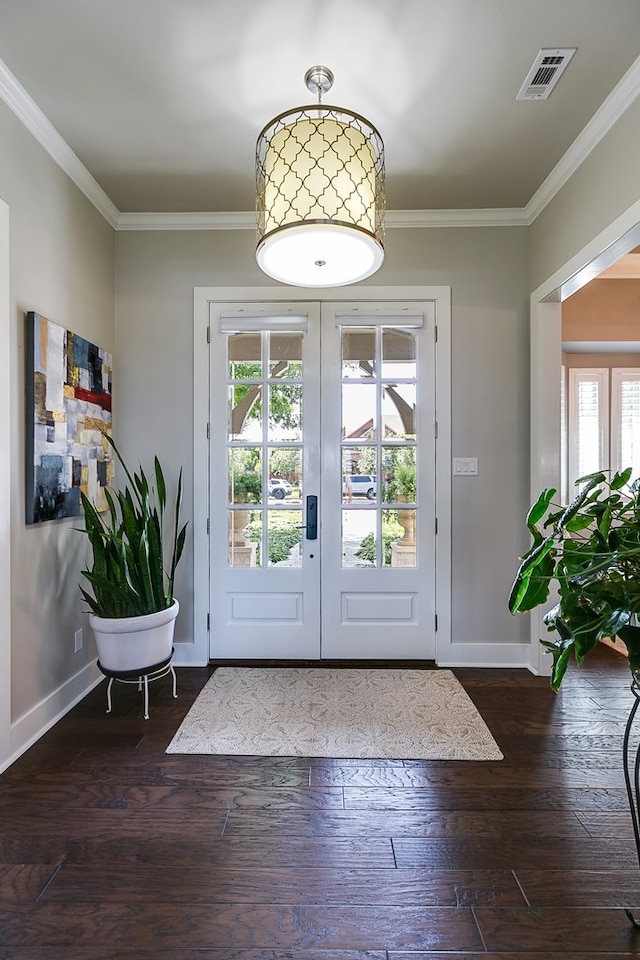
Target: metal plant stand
(142, 677)
(631, 759)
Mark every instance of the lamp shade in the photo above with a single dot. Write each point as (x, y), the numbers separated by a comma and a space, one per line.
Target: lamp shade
(320, 197)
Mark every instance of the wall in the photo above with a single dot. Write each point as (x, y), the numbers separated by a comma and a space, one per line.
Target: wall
(62, 265)
(603, 310)
(487, 270)
(602, 189)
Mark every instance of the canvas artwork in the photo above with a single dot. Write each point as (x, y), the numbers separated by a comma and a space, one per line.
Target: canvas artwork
(68, 413)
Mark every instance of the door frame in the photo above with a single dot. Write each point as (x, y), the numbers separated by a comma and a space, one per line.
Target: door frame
(203, 297)
(621, 236)
(5, 491)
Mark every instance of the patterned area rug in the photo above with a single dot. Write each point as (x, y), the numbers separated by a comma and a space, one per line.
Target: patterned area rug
(344, 713)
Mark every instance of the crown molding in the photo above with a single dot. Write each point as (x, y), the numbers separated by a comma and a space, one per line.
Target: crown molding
(619, 100)
(241, 220)
(395, 219)
(30, 114)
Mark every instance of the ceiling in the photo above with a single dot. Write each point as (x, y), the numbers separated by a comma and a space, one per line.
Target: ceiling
(162, 100)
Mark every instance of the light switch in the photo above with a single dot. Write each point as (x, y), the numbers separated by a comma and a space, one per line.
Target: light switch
(465, 466)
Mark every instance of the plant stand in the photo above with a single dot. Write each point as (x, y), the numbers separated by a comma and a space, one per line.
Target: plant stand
(629, 758)
(143, 676)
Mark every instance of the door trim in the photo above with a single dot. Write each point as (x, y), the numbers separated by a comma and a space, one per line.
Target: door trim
(5, 491)
(618, 238)
(197, 652)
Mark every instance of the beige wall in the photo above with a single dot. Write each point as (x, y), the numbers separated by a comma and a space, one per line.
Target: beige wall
(603, 310)
(487, 271)
(604, 186)
(62, 265)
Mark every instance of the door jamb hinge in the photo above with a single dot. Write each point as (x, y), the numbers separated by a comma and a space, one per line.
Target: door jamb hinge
(208, 334)
(208, 526)
(436, 621)
(208, 621)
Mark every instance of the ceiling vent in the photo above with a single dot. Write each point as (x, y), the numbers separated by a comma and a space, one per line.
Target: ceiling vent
(547, 69)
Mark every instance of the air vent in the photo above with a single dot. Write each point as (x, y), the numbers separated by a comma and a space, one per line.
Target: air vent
(547, 69)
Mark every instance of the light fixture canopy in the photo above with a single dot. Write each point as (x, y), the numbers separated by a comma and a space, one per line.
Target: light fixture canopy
(320, 193)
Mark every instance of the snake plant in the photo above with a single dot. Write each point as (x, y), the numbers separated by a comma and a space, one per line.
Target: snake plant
(129, 542)
(589, 553)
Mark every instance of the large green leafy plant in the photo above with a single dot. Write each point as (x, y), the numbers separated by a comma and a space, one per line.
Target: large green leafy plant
(129, 576)
(589, 552)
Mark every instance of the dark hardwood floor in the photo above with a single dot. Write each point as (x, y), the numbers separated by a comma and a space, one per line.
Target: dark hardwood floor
(111, 849)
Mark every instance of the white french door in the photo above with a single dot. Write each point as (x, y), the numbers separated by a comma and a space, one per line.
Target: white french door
(322, 481)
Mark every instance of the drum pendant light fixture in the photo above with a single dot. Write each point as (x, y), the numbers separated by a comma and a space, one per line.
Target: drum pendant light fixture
(320, 193)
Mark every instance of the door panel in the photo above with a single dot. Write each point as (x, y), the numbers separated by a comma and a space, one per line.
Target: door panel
(265, 575)
(378, 488)
(322, 482)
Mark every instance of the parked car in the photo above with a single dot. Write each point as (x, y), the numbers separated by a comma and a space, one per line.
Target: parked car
(359, 485)
(279, 488)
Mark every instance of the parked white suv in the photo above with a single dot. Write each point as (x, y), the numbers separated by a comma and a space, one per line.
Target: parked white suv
(359, 485)
(279, 488)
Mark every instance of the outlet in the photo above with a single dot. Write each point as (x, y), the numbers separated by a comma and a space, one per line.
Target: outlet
(77, 640)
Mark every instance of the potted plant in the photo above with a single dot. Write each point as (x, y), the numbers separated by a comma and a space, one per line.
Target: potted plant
(134, 560)
(589, 553)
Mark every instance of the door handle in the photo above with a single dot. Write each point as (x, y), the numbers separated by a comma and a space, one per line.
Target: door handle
(312, 518)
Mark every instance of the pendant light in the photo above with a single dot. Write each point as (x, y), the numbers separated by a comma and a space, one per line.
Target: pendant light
(320, 193)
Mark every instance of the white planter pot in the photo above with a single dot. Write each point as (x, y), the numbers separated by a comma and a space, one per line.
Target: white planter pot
(134, 643)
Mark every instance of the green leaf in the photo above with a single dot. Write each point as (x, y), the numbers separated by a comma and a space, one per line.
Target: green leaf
(540, 507)
(621, 479)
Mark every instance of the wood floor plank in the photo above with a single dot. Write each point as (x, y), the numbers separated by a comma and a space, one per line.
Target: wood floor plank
(512, 853)
(608, 887)
(585, 931)
(245, 926)
(292, 852)
(211, 883)
(481, 798)
(460, 774)
(128, 952)
(409, 823)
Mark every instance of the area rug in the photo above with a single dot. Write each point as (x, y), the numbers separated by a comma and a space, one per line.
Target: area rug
(343, 713)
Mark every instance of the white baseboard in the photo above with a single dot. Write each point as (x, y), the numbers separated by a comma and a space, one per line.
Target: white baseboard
(33, 724)
(497, 655)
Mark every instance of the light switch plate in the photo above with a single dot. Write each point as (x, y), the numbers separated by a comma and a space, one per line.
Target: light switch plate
(465, 466)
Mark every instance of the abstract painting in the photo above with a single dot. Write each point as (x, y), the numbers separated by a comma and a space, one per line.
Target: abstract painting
(68, 383)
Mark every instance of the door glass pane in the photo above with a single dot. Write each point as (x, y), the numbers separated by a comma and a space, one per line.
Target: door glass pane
(245, 356)
(245, 475)
(245, 528)
(285, 411)
(399, 411)
(398, 354)
(285, 474)
(245, 412)
(359, 546)
(284, 538)
(399, 536)
(358, 353)
(399, 474)
(359, 473)
(359, 411)
(285, 355)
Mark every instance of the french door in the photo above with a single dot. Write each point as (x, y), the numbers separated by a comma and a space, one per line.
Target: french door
(322, 481)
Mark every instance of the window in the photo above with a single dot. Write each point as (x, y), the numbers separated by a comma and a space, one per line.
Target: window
(601, 422)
